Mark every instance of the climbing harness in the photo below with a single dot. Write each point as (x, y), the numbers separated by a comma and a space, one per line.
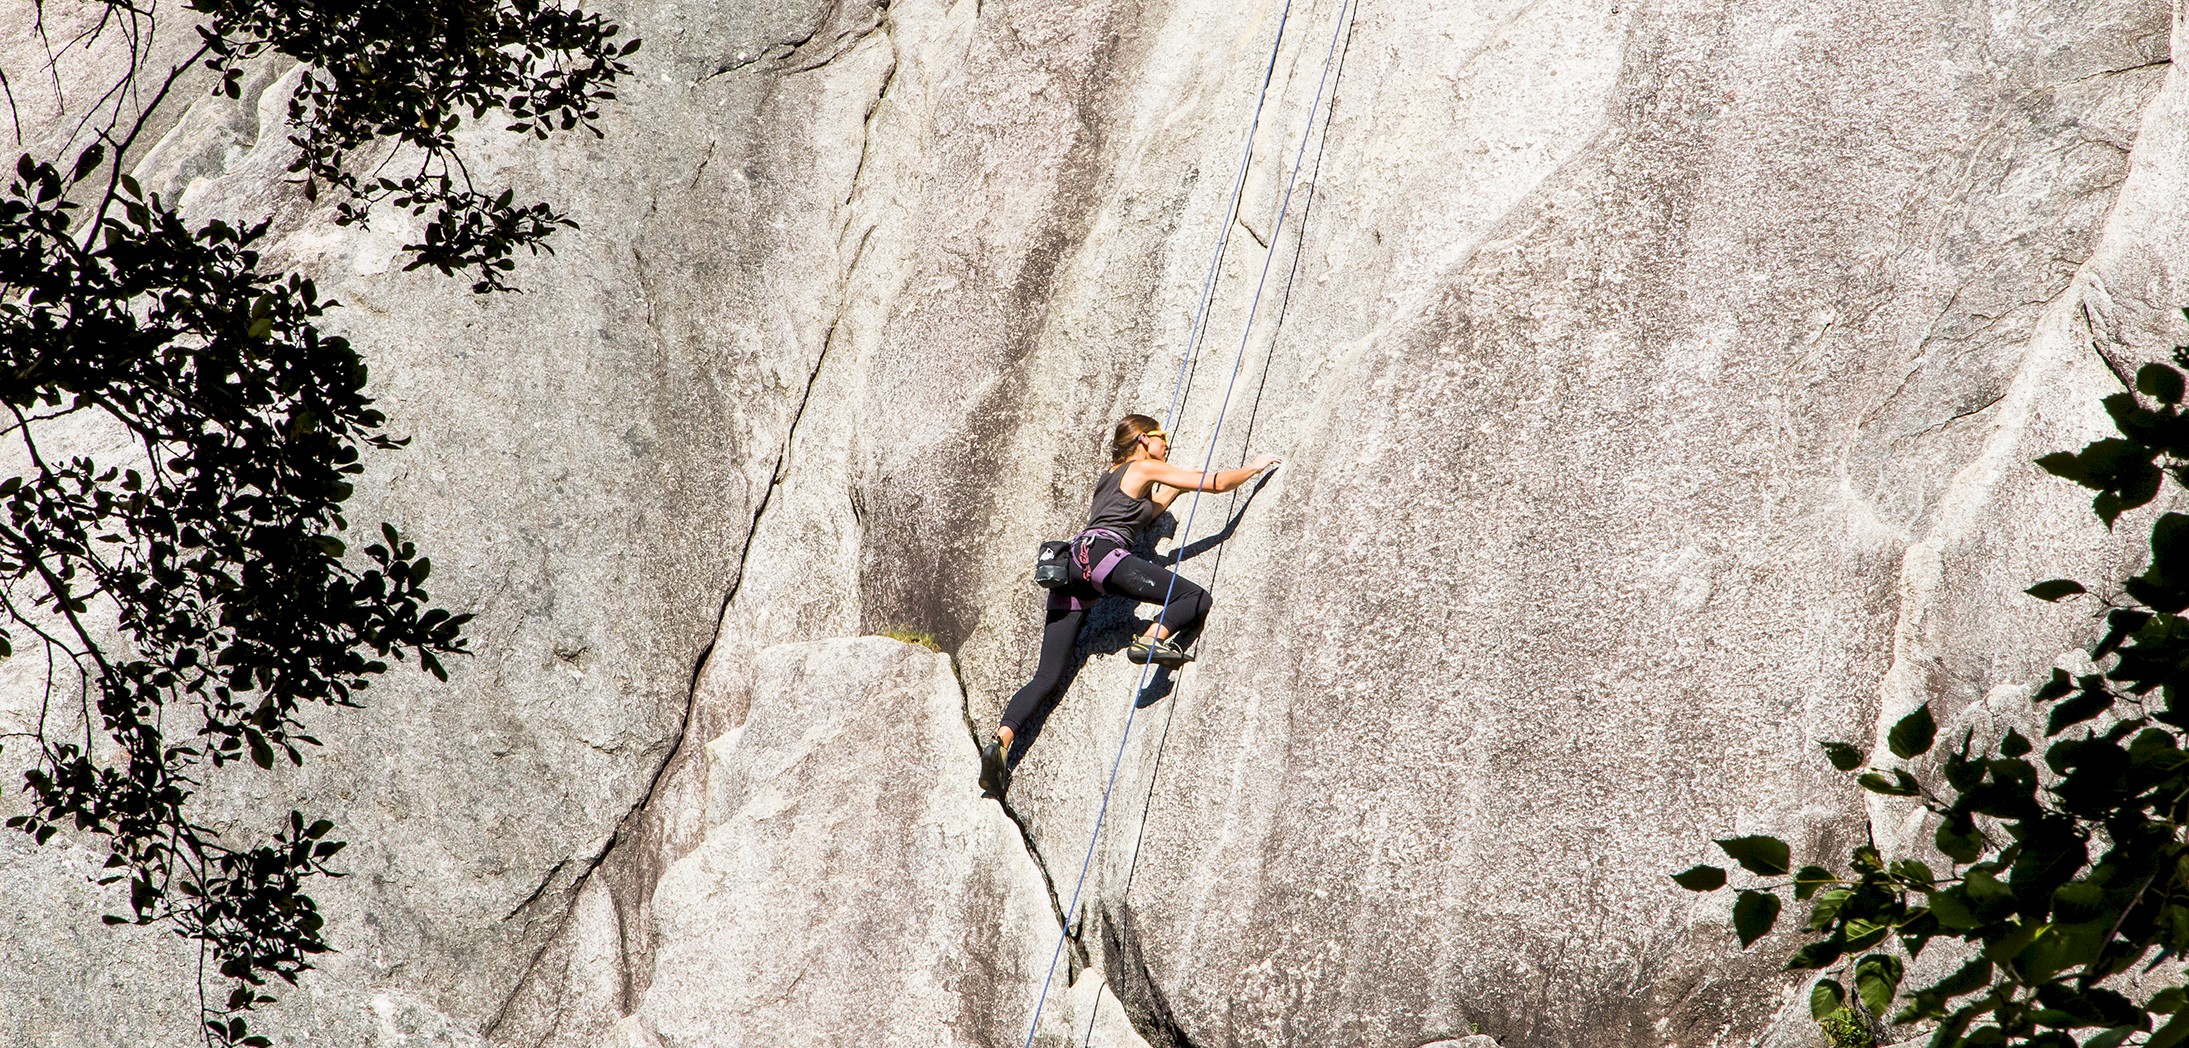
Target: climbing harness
(1339, 30)
(1059, 564)
(1097, 572)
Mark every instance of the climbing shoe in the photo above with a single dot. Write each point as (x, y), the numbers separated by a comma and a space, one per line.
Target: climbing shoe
(1160, 652)
(995, 771)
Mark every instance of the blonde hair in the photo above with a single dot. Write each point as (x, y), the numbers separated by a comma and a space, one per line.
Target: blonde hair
(1127, 436)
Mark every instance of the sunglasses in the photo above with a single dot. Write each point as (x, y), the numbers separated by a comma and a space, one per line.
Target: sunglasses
(1157, 434)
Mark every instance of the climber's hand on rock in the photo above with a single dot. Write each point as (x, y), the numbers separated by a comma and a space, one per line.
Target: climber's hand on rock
(1265, 462)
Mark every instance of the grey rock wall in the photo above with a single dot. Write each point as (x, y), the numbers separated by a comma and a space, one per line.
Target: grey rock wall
(853, 886)
(1658, 383)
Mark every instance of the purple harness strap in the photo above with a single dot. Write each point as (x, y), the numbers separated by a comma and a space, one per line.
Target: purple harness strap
(1108, 563)
(1097, 573)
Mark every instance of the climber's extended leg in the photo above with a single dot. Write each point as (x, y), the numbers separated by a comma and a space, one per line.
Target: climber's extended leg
(1059, 633)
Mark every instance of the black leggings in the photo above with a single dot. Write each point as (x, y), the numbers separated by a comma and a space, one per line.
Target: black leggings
(1135, 577)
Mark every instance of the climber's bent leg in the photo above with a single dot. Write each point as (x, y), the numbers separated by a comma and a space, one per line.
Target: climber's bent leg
(1144, 581)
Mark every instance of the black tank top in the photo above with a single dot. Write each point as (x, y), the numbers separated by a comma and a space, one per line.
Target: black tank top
(1113, 510)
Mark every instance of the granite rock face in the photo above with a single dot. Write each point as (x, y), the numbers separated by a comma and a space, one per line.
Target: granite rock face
(1658, 382)
(853, 886)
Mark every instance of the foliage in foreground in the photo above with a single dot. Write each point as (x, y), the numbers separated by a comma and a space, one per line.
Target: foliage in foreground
(190, 596)
(2062, 882)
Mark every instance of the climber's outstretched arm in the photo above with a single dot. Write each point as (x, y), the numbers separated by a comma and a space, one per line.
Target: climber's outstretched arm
(1167, 480)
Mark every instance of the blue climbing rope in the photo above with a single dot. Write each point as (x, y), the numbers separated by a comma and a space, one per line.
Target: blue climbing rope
(1224, 405)
(1231, 218)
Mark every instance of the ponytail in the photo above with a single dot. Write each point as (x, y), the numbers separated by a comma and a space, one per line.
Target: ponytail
(1127, 436)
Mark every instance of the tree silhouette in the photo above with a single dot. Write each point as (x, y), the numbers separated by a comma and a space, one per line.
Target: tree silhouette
(191, 596)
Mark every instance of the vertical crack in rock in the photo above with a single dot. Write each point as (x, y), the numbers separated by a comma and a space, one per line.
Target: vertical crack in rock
(1136, 988)
(2067, 324)
(1026, 837)
(629, 823)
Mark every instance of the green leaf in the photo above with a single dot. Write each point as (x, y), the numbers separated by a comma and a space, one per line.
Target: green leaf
(1987, 897)
(1915, 872)
(2055, 589)
(1862, 932)
(1815, 955)
(1912, 737)
(2111, 1038)
(2077, 901)
(2173, 1033)
(1842, 756)
(1762, 855)
(1753, 914)
(1899, 784)
(2004, 949)
(1810, 878)
(1701, 879)
(1877, 979)
(1959, 841)
(1826, 997)
(1823, 911)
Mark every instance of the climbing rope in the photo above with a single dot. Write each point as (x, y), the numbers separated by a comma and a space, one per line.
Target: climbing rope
(1254, 409)
(1223, 233)
(1343, 22)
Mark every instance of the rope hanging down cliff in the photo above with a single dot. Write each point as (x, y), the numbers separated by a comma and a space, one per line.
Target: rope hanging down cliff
(1254, 405)
(1342, 23)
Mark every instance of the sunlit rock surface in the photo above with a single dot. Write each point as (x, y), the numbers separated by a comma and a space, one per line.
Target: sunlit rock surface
(853, 886)
(1659, 384)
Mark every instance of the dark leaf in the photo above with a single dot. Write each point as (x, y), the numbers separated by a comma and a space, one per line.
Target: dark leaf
(1842, 756)
(88, 161)
(1958, 840)
(2160, 383)
(1815, 955)
(1896, 785)
(1767, 856)
(1753, 914)
(1913, 735)
(2173, 1033)
(1701, 879)
(2055, 589)
(2083, 706)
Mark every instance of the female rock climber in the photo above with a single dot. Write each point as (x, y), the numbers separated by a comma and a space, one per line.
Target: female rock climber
(1138, 487)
